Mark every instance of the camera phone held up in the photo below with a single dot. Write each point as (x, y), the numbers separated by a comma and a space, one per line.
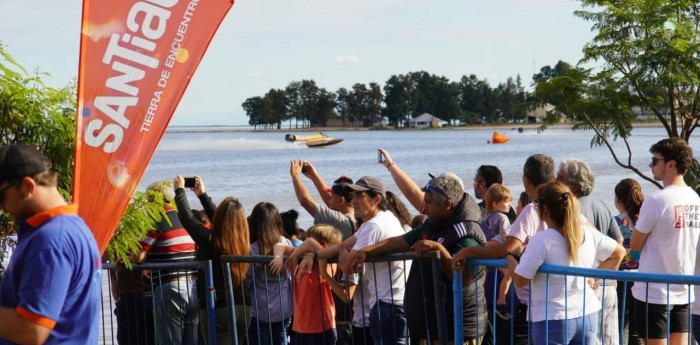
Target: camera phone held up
(190, 182)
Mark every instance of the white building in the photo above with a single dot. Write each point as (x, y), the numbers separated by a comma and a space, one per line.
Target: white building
(426, 120)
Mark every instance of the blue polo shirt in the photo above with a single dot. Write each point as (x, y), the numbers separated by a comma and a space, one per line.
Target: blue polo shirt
(54, 276)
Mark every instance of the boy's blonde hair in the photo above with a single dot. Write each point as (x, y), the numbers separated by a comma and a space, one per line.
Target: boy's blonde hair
(497, 193)
(324, 234)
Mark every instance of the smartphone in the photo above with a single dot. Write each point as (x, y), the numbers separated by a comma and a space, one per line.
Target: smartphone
(380, 157)
(304, 168)
(190, 182)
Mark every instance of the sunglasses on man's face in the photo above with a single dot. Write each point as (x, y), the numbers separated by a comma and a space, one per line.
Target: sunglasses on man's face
(655, 160)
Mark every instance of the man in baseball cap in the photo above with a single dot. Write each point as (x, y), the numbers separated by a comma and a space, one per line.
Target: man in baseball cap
(336, 209)
(55, 249)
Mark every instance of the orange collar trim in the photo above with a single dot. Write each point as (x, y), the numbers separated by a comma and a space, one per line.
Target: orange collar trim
(36, 220)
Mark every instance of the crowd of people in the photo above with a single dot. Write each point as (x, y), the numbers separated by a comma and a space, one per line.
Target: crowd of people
(300, 299)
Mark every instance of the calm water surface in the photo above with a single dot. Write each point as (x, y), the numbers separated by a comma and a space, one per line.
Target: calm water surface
(254, 166)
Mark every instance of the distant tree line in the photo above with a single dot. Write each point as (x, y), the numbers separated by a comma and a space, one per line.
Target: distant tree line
(471, 100)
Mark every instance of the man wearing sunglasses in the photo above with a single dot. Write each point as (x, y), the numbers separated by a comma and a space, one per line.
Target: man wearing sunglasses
(51, 290)
(453, 223)
(666, 233)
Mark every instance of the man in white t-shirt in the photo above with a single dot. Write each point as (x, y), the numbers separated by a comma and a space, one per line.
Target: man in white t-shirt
(387, 317)
(666, 233)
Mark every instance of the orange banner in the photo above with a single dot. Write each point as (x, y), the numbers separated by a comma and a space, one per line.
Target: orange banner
(136, 60)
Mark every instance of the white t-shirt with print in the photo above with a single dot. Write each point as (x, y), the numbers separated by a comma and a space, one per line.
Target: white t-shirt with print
(389, 283)
(565, 297)
(671, 218)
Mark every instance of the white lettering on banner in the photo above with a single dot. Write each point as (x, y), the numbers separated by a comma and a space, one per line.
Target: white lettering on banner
(126, 55)
(151, 112)
(173, 54)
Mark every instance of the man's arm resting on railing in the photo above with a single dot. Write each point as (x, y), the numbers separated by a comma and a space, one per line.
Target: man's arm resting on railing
(445, 257)
(492, 250)
(20, 330)
(352, 263)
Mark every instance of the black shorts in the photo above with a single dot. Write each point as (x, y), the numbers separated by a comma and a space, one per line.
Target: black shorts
(651, 319)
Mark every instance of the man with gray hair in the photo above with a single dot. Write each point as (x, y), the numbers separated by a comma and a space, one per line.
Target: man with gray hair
(453, 224)
(579, 177)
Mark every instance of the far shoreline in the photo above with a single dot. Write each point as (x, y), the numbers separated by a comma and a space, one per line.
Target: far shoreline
(495, 127)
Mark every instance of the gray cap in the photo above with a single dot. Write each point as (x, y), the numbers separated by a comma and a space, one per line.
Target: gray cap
(367, 183)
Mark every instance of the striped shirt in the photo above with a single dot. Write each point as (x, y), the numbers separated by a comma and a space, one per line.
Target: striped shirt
(169, 243)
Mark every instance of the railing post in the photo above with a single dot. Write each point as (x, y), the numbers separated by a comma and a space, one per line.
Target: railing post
(231, 307)
(439, 298)
(211, 304)
(457, 293)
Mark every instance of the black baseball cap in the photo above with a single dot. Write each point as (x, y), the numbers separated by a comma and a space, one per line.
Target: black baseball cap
(20, 160)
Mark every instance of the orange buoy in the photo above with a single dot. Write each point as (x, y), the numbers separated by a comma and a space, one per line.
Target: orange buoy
(499, 138)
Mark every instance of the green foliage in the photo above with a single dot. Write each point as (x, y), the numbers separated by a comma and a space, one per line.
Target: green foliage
(401, 98)
(143, 214)
(42, 116)
(649, 58)
(32, 113)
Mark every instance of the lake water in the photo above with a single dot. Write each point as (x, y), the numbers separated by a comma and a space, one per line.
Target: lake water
(254, 166)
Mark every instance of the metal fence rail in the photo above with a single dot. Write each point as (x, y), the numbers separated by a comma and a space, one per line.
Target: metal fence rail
(434, 257)
(133, 315)
(624, 277)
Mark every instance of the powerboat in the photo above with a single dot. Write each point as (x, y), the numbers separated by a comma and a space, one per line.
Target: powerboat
(313, 140)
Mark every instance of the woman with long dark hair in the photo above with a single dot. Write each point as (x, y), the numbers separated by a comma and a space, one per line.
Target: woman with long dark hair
(271, 298)
(228, 236)
(558, 318)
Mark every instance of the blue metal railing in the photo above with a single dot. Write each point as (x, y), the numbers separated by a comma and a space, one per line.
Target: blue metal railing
(108, 329)
(625, 277)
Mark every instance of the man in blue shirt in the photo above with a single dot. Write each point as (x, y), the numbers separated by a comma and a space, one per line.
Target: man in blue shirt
(51, 289)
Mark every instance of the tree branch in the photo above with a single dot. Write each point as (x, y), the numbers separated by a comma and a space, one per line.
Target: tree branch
(628, 166)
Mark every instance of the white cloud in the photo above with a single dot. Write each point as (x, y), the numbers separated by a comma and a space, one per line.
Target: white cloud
(346, 59)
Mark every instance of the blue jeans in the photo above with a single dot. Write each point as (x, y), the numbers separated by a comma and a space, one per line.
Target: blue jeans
(572, 331)
(387, 323)
(263, 333)
(176, 312)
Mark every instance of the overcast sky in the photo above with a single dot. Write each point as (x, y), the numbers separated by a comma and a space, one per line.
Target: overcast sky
(265, 44)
